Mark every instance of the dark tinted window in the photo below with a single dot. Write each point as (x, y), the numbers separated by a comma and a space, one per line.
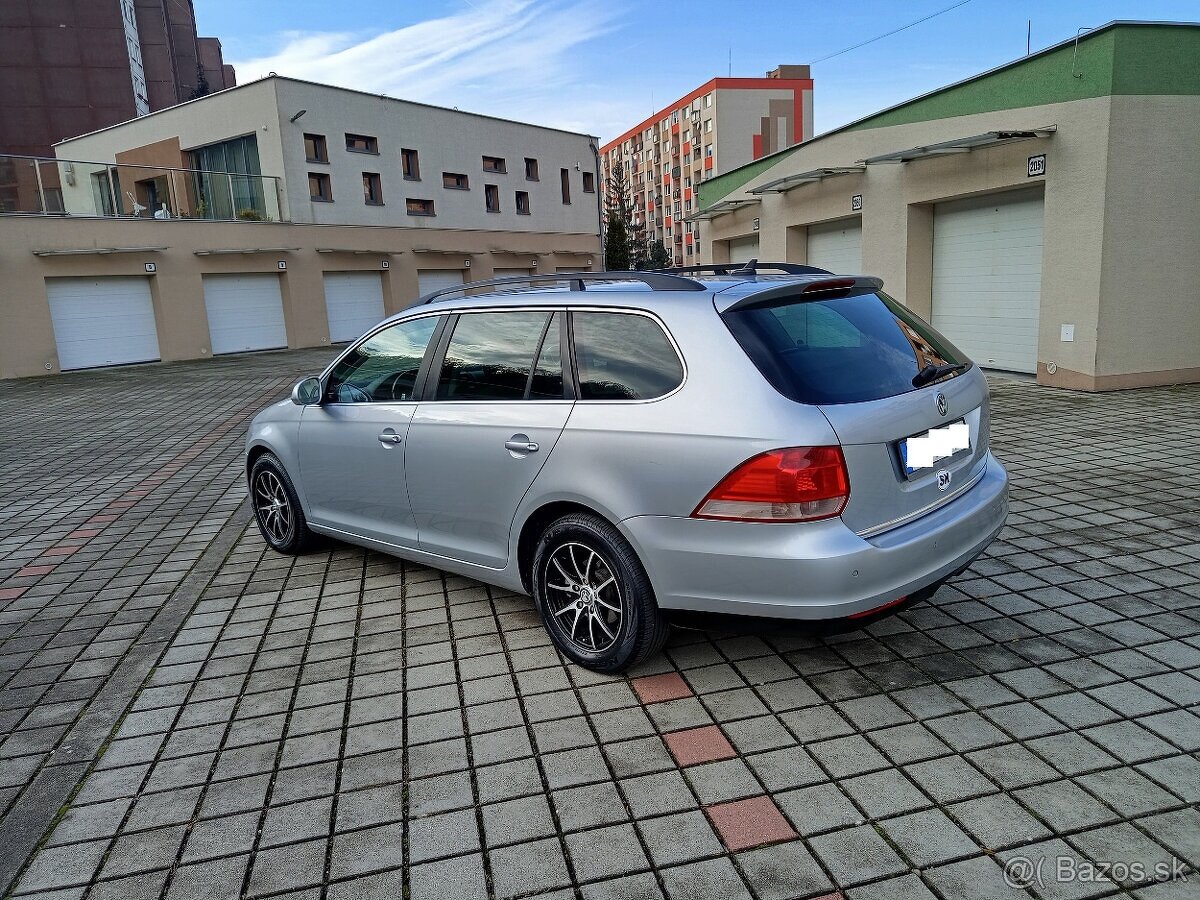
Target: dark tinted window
(622, 356)
(843, 350)
(384, 367)
(491, 355)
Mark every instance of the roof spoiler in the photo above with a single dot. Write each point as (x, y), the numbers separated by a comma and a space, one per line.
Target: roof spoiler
(815, 289)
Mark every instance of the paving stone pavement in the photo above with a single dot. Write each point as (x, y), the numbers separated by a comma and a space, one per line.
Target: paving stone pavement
(186, 714)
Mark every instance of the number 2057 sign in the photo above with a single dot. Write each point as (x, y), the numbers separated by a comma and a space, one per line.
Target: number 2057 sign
(1037, 165)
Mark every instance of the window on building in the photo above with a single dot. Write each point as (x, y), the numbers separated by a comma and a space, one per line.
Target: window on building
(455, 181)
(589, 183)
(491, 198)
(696, 153)
(531, 169)
(565, 178)
(224, 197)
(411, 164)
(494, 164)
(708, 149)
(315, 149)
(372, 189)
(361, 143)
(419, 207)
(522, 203)
(707, 100)
(707, 126)
(319, 188)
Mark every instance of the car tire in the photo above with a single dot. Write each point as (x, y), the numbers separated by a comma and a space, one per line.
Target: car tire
(594, 596)
(276, 507)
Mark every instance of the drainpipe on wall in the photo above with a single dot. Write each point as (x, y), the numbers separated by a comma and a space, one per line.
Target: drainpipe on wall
(599, 199)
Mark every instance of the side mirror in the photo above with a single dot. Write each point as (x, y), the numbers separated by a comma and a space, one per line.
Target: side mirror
(307, 391)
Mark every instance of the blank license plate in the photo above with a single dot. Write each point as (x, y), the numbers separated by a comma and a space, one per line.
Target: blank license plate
(923, 451)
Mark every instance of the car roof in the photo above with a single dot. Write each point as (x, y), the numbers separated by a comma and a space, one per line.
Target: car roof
(725, 289)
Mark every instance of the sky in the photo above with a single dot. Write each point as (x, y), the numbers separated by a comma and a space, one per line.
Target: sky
(602, 67)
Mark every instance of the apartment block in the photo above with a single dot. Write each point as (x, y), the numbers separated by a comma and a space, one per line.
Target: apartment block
(721, 125)
(71, 66)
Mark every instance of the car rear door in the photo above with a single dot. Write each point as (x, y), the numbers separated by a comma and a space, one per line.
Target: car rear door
(351, 445)
(854, 355)
(495, 407)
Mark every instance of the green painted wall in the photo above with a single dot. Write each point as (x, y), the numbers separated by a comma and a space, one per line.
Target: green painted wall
(709, 192)
(1123, 59)
(1036, 81)
(1157, 59)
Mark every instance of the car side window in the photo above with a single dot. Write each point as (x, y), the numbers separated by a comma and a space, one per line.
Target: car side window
(622, 356)
(384, 367)
(491, 356)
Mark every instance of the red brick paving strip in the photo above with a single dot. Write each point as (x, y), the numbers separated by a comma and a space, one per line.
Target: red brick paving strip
(659, 688)
(11, 593)
(33, 570)
(698, 745)
(748, 823)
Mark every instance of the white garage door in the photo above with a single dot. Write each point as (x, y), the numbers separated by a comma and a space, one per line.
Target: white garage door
(987, 278)
(430, 280)
(245, 312)
(743, 249)
(102, 321)
(353, 303)
(836, 246)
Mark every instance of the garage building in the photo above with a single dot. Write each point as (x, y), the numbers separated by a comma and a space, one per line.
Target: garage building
(1043, 215)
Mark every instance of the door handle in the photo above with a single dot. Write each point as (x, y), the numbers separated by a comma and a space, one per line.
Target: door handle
(519, 443)
(389, 437)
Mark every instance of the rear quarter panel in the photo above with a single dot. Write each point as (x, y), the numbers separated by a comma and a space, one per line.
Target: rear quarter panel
(661, 457)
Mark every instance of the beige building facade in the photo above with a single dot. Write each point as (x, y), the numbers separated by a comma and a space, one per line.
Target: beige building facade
(1045, 216)
(84, 292)
(344, 157)
(276, 214)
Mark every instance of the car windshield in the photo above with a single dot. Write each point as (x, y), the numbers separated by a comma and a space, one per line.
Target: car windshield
(840, 350)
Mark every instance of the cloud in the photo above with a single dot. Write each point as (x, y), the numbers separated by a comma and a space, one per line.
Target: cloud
(509, 58)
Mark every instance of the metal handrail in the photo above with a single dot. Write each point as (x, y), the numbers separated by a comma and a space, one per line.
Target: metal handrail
(117, 165)
(656, 281)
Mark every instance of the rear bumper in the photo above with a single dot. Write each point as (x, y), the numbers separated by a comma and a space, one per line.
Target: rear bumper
(817, 570)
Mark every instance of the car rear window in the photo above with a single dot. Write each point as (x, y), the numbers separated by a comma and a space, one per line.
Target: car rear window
(839, 350)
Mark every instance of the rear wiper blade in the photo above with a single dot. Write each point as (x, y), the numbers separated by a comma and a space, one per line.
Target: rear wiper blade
(932, 373)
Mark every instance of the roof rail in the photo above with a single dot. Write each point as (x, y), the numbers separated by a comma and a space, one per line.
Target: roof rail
(656, 281)
(753, 267)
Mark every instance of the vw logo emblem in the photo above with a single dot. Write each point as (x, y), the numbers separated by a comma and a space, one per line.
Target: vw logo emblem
(940, 400)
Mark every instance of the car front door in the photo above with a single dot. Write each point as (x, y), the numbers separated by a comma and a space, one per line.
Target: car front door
(493, 413)
(352, 443)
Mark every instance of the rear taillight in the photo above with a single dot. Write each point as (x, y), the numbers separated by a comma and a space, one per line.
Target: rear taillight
(796, 484)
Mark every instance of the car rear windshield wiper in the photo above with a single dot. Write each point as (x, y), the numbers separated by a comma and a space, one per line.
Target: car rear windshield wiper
(932, 373)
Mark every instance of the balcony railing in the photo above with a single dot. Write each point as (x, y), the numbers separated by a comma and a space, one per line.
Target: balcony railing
(34, 185)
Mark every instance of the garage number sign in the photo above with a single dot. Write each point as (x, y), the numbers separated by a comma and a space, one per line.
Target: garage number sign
(1037, 165)
(856, 203)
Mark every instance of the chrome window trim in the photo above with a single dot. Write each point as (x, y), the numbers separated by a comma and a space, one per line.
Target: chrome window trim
(530, 307)
(917, 513)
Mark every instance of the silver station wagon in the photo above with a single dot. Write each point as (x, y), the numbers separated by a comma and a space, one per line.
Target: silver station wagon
(766, 440)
